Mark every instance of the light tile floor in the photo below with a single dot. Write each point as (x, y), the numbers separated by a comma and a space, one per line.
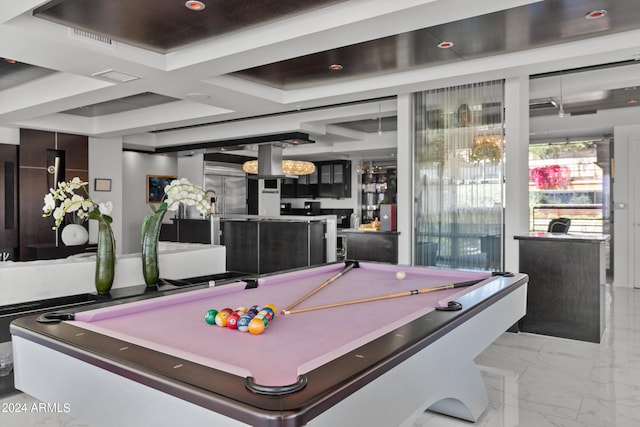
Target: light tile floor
(540, 381)
(532, 380)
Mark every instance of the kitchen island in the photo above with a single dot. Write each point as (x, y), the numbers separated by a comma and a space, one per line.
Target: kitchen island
(370, 245)
(266, 244)
(259, 244)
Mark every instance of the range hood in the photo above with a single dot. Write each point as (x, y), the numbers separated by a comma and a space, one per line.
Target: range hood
(270, 162)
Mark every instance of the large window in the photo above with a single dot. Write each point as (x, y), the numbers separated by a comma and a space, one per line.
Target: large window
(566, 179)
(458, 178)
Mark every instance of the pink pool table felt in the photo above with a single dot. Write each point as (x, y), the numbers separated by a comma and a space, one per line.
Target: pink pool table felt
(291, 345)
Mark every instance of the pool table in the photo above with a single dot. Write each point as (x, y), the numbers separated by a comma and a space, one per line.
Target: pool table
(157, 362)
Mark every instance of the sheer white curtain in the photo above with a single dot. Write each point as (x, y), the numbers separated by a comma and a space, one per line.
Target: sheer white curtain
(458, 182)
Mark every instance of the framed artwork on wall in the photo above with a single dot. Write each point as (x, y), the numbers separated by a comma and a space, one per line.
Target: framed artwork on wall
(102, 184)
(155, 187)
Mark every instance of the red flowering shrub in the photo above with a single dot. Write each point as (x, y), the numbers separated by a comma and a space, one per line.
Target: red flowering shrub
(551, 177)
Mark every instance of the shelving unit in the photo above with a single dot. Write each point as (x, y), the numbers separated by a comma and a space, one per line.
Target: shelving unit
(378, 186)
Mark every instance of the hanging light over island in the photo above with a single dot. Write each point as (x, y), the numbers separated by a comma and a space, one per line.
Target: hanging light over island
(271, 165)
(289, 167)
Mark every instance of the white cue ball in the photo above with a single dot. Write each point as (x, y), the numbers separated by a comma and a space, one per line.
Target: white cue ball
(400, 275)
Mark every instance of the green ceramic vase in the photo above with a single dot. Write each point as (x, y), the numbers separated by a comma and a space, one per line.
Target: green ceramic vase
(105, 257)
(150, 237)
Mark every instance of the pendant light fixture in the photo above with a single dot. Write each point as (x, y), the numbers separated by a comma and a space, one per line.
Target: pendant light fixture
(270, 164)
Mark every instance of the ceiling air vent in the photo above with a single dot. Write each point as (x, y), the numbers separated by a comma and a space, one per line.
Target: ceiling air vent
(542, 104)
(96, 39)
(115, 76)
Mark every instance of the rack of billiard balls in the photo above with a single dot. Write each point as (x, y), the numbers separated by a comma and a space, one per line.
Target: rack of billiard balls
(253, 320)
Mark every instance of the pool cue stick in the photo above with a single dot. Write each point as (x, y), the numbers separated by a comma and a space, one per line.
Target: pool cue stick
(383, 297)
(349, 265)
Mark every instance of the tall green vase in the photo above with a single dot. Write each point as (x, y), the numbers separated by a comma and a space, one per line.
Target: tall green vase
(150, 237)
(105, 257)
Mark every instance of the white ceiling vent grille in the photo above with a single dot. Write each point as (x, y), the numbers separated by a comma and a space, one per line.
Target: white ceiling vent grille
(115, 76)
(93, 38)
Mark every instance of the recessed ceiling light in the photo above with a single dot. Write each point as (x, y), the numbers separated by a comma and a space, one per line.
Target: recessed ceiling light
(445, 45)
(194, 5)
(595, 14)
(335, 67)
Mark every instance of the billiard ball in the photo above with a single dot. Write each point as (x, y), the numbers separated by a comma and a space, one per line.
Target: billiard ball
(400, 275)
(243, 323)
(256, 326)
(270, 310)
(271, 307)
(232, 320)
(210, 317)
(262, 318)
(221, 318)
(267, 314)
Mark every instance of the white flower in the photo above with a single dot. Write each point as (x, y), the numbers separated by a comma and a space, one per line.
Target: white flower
(64, 200)
(105, 208)
(182, 191)
(49, 203)
(58, 213)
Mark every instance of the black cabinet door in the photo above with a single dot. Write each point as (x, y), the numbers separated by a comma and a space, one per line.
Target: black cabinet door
(331, 179)
(288, 187)
(335, 179)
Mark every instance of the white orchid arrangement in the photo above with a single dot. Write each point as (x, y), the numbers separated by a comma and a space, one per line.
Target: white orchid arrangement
(64, 200)
(182, 191)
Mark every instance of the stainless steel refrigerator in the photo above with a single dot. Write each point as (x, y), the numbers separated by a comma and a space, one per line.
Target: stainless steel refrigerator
(227, 186)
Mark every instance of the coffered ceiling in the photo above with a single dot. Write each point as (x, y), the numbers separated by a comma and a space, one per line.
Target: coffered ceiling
(160, 74)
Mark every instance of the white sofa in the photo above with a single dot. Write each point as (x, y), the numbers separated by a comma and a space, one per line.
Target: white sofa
(36, 280)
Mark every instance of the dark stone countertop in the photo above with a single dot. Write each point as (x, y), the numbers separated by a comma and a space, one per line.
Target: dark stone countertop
(561, 237)
(355, 230)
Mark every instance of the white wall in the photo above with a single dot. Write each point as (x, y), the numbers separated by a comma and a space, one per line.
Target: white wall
(192, 168)
(105, 161)
(404, 176)
(624, 175)
(9, 136)
(516, 198)
(135, 168)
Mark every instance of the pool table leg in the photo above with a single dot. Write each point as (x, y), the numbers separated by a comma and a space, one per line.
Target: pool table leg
(468, 395)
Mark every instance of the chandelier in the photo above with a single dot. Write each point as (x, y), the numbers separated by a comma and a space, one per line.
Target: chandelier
(289, 167)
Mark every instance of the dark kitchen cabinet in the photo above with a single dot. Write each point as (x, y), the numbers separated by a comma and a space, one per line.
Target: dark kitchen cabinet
(335, 179)
(331, 179)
